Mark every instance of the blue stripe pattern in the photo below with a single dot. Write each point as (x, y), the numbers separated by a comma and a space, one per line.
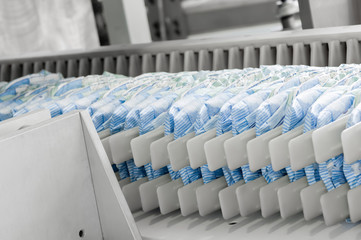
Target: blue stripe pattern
(331, 171)
(323, 101)
(184, 121)
(271, 112)
(206, 120)
(352, 173)
(117, 120)
(103, 114)
(174, 110)
(123, 170)
(248, 175)
(211, 108)
(333, 111)
(232, 176)
(208, 175)
(77, 83)
(149, 116)
(312, 171)
(135, 173)
(295, 115)
(148, 100)
(139, 116)
(133, 117)
(225, 121)
(243, 114)
(97, 105)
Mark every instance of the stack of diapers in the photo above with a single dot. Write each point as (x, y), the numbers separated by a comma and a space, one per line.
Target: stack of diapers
(229, 101)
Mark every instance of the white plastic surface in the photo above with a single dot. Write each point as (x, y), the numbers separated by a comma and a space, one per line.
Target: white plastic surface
(188, 198)
(123, 182)
(207, 196)
(106, 145)
(159, 152)
(351, 143)
(353, 197)
(168, 196)
(289, 198)
(132, 195)
(148, 192)
(195, 147)
(120, 145)
(258, 151)
(301, 151)
(214, 150)
(335, 206)
(278, 148)
(60, 183)
(104, 134)
(115, 215)
(327, 140)
(33, 193)
(24, 121)
(268, 197)
(248, 196)
(177, 151)
(154, 226)
(236, 149)
(228, 200)
(141, 146)
(310, 199)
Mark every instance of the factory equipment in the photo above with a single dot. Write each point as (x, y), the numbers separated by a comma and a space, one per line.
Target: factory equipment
(99, 202)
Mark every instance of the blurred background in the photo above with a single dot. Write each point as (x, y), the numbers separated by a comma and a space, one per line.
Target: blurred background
(63, 25)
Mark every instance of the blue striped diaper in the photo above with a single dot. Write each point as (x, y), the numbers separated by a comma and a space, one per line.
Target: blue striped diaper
(184, 121)
(174, 110)
(295, 115)
(224, 125)
(210, 109)
(151, 117)
(312, 170)
(98, 104)
(83, 103)
(327, 98)
(170, 125)
(270, 114)
(331, 171)
(206, 120)
(103, 114)
(153, 111)
(67, 86)
(243, 115)
(225, 121)
(133, 119)
(117, 120)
